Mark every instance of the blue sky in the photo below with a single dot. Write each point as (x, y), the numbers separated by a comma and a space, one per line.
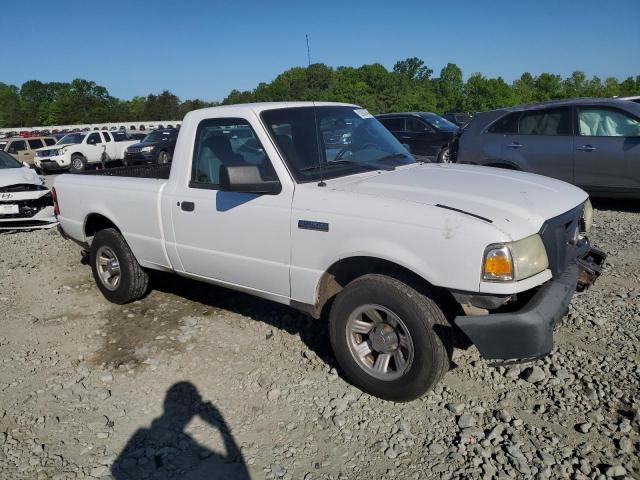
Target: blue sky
(203, 49)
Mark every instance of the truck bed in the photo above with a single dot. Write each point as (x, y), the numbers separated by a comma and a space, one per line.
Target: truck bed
(156, 171)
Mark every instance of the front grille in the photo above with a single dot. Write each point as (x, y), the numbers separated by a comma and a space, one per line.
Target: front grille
(559, 237)
(27, 208)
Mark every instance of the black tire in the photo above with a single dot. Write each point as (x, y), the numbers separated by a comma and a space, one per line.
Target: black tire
(425, 322)
(78, 163)
(444, 155)
(133, 282)
(164, 157)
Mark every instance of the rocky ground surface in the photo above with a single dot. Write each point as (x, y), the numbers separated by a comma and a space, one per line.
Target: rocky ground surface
(201, 382)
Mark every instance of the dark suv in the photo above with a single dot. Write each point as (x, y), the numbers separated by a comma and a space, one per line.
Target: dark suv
(426, 133)
(156, 147)
(593, 143)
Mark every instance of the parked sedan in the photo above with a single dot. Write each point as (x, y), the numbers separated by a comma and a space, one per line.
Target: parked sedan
(157, 147)
(25, 203)
(426, 133)
(592, 143)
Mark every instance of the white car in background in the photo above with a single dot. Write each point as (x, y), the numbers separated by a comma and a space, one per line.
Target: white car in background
(25, 203)
(79, 150)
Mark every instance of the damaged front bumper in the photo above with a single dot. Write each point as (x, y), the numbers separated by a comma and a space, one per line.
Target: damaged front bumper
(528, 332)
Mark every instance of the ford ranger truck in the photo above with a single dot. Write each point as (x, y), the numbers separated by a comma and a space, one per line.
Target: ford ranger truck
(405, 260)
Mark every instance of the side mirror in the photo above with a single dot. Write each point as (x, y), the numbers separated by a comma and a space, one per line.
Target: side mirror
(246, 179)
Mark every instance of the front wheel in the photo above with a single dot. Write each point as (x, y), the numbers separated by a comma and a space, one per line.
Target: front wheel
(164, 157)
(116, 271)
(390, 340)
(78, 163)
(444, 156)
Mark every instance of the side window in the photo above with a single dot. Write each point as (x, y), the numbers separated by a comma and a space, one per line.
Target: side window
(393, 124)
(93, 139)
(604, 122)
(225, 141)
(416, 126)
(106, 136)
(554, 121)
(17, 146)
(506, 124)
(49, 141)
(35, 143)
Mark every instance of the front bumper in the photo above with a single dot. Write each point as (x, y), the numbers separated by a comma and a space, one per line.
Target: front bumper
(528, 332)
(52, 164)
(140, 157)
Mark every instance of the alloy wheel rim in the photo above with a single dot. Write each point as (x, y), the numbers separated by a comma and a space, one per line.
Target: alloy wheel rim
(108, 268)
(379, 342)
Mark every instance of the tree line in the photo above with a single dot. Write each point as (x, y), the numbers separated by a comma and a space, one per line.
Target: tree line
(409, 86)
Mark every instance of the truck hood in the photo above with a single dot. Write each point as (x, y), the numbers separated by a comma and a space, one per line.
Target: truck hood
(15, 176)
(517, 203)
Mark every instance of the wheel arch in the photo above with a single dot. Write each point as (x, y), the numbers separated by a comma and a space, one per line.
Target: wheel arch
(96, 222)
(345, 270)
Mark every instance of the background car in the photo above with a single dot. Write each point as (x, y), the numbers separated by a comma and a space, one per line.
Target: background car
(426, 133)
(156, 147)
(24, 149)
(25, 203)
(592, 143)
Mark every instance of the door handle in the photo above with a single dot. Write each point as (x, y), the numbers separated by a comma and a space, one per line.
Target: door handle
(515, 145)
(187, 206)
(586, 148)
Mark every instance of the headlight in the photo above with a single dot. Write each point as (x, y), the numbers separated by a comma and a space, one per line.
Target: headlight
(587, 216)
(146, 149)
(506, 262)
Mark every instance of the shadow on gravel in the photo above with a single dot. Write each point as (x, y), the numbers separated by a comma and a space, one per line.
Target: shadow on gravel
(616, 204)
(164, 450)
(314, 333)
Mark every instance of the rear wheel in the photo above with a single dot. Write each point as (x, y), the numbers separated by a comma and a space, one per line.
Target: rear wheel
(116, 271)
(390, 340)
(78, 163)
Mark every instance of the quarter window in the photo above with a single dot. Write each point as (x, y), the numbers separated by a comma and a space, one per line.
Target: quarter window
(556, 121)
(226, 141)
(603, 122)
(106, 136)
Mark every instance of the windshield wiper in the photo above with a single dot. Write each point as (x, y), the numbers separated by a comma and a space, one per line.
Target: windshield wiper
(392, 156)
(369, 165)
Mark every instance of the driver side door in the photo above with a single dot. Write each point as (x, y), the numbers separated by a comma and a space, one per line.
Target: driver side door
(94, 147)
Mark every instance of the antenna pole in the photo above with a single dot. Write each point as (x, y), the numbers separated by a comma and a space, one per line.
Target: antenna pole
(321, 183)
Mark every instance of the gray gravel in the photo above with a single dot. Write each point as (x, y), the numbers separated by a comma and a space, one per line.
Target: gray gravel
(88, 389)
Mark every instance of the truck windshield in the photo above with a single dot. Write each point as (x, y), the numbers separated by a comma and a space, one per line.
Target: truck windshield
(7, 161)
(71, 138)
(350, 140)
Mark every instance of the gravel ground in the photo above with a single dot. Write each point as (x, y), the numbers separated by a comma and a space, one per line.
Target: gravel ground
(200, 382)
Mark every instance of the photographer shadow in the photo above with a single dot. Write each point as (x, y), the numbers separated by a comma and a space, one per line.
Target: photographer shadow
(165, 450)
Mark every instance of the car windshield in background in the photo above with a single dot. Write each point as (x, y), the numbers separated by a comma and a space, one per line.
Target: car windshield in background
(158, 136)
(440, 123)
(120, 136)
(7, 161)
(351, 141)
(71, 138)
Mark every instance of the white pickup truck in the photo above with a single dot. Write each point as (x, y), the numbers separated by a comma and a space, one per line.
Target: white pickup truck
(406, 260)
(79, 150)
